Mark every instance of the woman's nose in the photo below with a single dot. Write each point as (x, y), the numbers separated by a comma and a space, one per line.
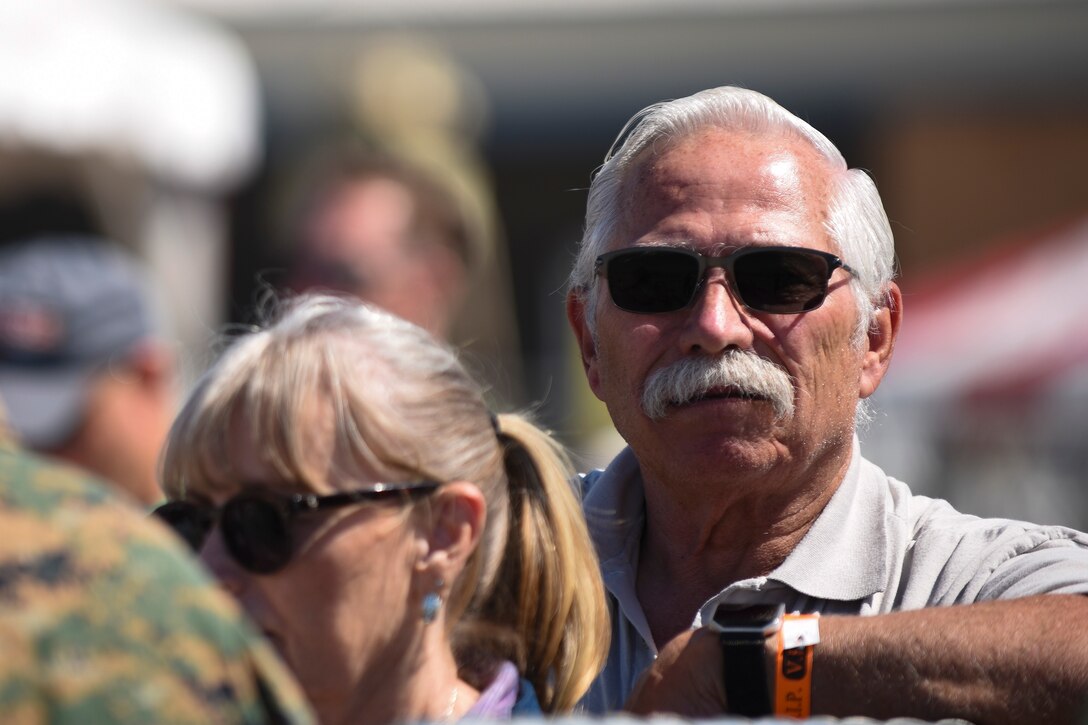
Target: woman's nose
(222, 565)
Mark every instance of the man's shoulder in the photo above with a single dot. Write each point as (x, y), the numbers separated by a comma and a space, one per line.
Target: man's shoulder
(586, 480)
(104, 617)
(31, 483)
(73, 534)
(949, 556)
(622, 472)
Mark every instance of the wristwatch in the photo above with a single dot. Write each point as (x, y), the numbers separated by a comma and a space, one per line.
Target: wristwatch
(743, 632)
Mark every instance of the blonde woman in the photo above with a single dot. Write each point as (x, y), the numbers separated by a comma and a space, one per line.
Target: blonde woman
(412, 556)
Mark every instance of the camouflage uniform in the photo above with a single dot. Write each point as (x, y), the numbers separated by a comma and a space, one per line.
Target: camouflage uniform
(103, 620)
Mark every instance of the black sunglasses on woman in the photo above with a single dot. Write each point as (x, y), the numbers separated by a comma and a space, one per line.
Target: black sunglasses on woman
(256, 523)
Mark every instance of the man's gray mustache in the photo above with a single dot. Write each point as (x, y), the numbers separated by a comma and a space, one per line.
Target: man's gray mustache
(691, 378)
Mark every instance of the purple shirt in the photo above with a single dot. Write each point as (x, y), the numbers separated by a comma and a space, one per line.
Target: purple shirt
(498, 699)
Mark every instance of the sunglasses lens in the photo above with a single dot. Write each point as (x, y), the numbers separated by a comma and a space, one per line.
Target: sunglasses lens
(781, 281)
(191, 522)
(653, 280)
(256, 533)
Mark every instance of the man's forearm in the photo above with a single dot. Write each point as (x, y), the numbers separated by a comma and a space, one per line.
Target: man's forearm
(1012, 661)
(1016, 661)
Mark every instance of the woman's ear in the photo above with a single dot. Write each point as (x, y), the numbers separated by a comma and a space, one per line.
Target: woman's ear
(453, 529)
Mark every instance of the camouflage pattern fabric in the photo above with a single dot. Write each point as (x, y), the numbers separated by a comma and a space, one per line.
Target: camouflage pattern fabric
(105, 619)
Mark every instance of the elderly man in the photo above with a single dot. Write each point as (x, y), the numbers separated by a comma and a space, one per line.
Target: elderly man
(734, 305)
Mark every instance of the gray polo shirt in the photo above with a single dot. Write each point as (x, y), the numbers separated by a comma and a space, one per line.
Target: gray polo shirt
(875, 548)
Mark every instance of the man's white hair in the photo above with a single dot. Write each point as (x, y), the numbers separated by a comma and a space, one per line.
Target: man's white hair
(856, 220)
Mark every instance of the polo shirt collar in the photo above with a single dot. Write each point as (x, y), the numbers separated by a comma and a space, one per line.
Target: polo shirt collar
(615, 508)
(844, 555)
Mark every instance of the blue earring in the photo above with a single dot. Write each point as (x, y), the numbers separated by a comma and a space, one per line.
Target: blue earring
(432, 602)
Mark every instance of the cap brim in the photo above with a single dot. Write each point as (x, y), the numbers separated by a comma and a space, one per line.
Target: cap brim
(44, 408)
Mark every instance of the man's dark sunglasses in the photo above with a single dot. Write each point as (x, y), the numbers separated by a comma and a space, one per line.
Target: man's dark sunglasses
(781, 280)
(256, 524)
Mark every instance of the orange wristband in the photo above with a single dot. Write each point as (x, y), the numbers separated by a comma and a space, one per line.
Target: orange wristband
(793, 666)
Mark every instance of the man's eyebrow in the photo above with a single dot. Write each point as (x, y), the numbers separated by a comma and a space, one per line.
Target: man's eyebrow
(675, 243)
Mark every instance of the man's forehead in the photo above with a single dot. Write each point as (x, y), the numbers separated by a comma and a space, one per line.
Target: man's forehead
(709, 154)
(720, 168)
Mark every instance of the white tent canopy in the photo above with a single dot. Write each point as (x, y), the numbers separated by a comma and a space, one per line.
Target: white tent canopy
(131, 80)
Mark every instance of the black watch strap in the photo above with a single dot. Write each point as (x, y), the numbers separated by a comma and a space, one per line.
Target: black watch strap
(746, 689)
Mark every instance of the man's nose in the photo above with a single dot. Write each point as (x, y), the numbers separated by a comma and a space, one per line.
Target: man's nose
(716, 319)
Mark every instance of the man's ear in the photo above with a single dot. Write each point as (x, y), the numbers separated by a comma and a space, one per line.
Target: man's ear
(587, 346)
(453, 530)
(880, 342)
(152, 365)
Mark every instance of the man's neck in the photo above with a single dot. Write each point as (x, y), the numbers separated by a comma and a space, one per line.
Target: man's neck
(692, 548)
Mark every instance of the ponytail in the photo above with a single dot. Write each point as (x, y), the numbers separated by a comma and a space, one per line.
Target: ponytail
(548, 590)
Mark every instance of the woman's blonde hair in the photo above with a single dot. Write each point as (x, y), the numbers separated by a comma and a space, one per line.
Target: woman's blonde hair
(405, 407)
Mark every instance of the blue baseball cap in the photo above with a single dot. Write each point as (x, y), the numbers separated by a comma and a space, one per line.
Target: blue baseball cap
(68, 306)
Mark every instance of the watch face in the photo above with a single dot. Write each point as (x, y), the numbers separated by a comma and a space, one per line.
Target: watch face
(764, 618)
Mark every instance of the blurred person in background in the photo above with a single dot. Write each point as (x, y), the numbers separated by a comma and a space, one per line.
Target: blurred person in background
(83, 373)
(394, 204)
(105, 618)
(734, 304)
(411, 555)
(382, 229)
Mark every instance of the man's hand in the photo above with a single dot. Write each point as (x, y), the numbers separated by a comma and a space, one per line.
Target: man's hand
(686, 679)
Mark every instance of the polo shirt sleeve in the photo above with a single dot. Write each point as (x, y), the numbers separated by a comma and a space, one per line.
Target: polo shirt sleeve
(969, 559)
(1043, 560)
